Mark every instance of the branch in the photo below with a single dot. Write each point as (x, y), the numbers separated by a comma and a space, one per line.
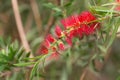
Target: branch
(20, 26)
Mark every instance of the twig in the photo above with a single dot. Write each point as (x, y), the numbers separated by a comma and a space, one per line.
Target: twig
(36, 14)
(20, 26)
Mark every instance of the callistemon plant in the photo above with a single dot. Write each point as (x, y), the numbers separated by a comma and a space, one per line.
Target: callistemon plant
(78, 26)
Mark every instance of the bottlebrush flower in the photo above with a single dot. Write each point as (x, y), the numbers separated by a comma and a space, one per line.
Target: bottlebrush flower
(81, 23)
(75, 26)
(58, 31)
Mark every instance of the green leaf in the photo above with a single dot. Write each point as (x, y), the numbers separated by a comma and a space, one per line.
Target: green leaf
(36, 68)
(101, 9)
(24, 64)
(19, 53)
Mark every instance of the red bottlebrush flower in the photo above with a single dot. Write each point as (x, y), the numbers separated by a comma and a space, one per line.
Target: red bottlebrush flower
(61, 46)
(76, 26)
(81, 24)
(85, 18)
(50, 38)
(43, 50)
(58, 31)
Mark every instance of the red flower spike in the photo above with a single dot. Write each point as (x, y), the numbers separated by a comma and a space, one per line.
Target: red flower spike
(58, 31)
(80, 24)
(61, 46)
(50, 38)
(85, 18)
(76, 26)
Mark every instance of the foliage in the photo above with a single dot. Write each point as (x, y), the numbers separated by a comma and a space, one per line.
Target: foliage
(11, 54)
